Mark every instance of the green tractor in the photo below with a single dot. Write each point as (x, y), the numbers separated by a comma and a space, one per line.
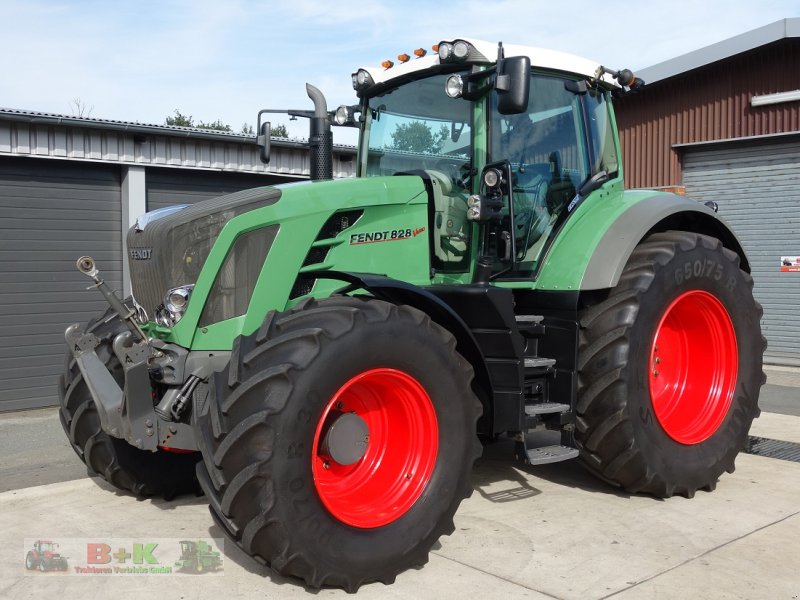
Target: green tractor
(198, 557)
(327, 356)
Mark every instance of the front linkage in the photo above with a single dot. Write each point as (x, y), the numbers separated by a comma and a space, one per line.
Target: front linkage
(125, 408)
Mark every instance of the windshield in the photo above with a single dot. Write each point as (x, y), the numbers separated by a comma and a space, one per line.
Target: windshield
(416, 129)
(417, 126)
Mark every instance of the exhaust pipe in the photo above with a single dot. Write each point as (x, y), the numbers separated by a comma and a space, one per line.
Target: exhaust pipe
(320, 137)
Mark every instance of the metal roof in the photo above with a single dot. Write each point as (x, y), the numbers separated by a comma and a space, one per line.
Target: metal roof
(785, 28)
(51, 136)
(133, 127)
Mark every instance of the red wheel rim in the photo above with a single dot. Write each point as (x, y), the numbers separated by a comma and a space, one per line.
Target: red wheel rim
(400, 454)
(693, 367)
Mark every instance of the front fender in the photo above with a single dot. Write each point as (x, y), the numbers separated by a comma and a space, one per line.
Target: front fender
(592, 249)
(400, 292)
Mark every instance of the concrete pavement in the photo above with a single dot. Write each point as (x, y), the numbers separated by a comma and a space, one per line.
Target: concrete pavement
(527, 532)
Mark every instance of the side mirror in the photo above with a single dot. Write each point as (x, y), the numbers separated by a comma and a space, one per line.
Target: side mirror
(513, 85)
(262, 139)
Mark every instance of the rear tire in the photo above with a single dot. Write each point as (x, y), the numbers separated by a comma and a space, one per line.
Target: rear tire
(127, 468)
(670, 366)
(267, 441)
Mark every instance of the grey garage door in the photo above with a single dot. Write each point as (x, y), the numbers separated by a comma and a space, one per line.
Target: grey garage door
(51, 212)
(166, 187)
(757, 187)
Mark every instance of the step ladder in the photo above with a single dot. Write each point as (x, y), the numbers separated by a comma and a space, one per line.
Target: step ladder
(529, 446)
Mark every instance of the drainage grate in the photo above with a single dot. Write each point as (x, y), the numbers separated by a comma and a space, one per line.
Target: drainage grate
(759, 446)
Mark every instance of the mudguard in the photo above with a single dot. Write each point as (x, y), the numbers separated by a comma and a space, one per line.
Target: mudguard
(596, 242)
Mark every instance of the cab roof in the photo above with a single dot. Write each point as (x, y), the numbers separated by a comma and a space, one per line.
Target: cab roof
(487, 54)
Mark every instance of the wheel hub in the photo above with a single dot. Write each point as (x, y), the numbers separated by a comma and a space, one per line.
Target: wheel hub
(693, 367)
(347, 438)
(375, 448)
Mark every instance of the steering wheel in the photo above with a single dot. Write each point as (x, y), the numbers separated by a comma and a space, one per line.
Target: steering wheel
(458, 171)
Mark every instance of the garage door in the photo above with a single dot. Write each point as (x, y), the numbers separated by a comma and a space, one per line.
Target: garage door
(51, 212)
(166, 187)
(757, 188)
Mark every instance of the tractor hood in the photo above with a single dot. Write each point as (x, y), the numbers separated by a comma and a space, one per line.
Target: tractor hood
(260, 243)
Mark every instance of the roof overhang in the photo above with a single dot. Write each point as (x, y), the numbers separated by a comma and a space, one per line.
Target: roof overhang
(785, 28)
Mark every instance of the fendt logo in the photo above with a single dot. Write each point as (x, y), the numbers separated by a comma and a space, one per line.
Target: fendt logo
(392, 235)
(141, 253)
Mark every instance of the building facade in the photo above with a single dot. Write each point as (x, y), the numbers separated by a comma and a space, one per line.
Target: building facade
(723, 124)
(73, 186)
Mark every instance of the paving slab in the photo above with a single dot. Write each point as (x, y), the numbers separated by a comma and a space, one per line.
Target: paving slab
(527, 532)
(777, 427)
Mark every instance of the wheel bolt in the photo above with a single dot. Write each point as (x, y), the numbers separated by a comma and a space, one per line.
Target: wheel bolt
(326, 465)
(658, 360)
(408, 475)
(655, 373)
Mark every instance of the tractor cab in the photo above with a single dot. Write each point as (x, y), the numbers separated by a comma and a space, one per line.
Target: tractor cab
(506, 150)
(45, 548)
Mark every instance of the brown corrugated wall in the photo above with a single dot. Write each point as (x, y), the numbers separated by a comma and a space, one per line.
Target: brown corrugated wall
(706, 104)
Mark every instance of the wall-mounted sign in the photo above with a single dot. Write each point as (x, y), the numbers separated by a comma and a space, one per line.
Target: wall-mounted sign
(790, 263)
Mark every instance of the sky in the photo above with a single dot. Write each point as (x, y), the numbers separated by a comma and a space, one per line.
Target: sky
(226, 59)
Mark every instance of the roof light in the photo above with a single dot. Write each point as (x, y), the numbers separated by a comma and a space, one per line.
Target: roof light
(420, 52)
(387, 64)
(457, 51)
(403, 58)
(362, 79)
(435, 47)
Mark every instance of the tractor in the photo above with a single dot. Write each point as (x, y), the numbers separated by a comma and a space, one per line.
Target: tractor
(326, 359)
(198, 557)
(45, 557)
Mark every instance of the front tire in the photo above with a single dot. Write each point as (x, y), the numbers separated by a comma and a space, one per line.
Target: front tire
(127, 468)
(341, 441)
(670, 368)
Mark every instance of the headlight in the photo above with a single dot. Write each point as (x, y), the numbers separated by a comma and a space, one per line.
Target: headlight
(177, 298)
(445, 51)
(492, 177)
(454, 86)
(460, 50)
(343, 115)
(474, 208)
(174, 305)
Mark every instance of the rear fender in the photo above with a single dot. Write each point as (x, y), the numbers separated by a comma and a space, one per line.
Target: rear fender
(591, 252)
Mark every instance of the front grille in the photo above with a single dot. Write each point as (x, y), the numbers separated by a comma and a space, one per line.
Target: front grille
(171, 251)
